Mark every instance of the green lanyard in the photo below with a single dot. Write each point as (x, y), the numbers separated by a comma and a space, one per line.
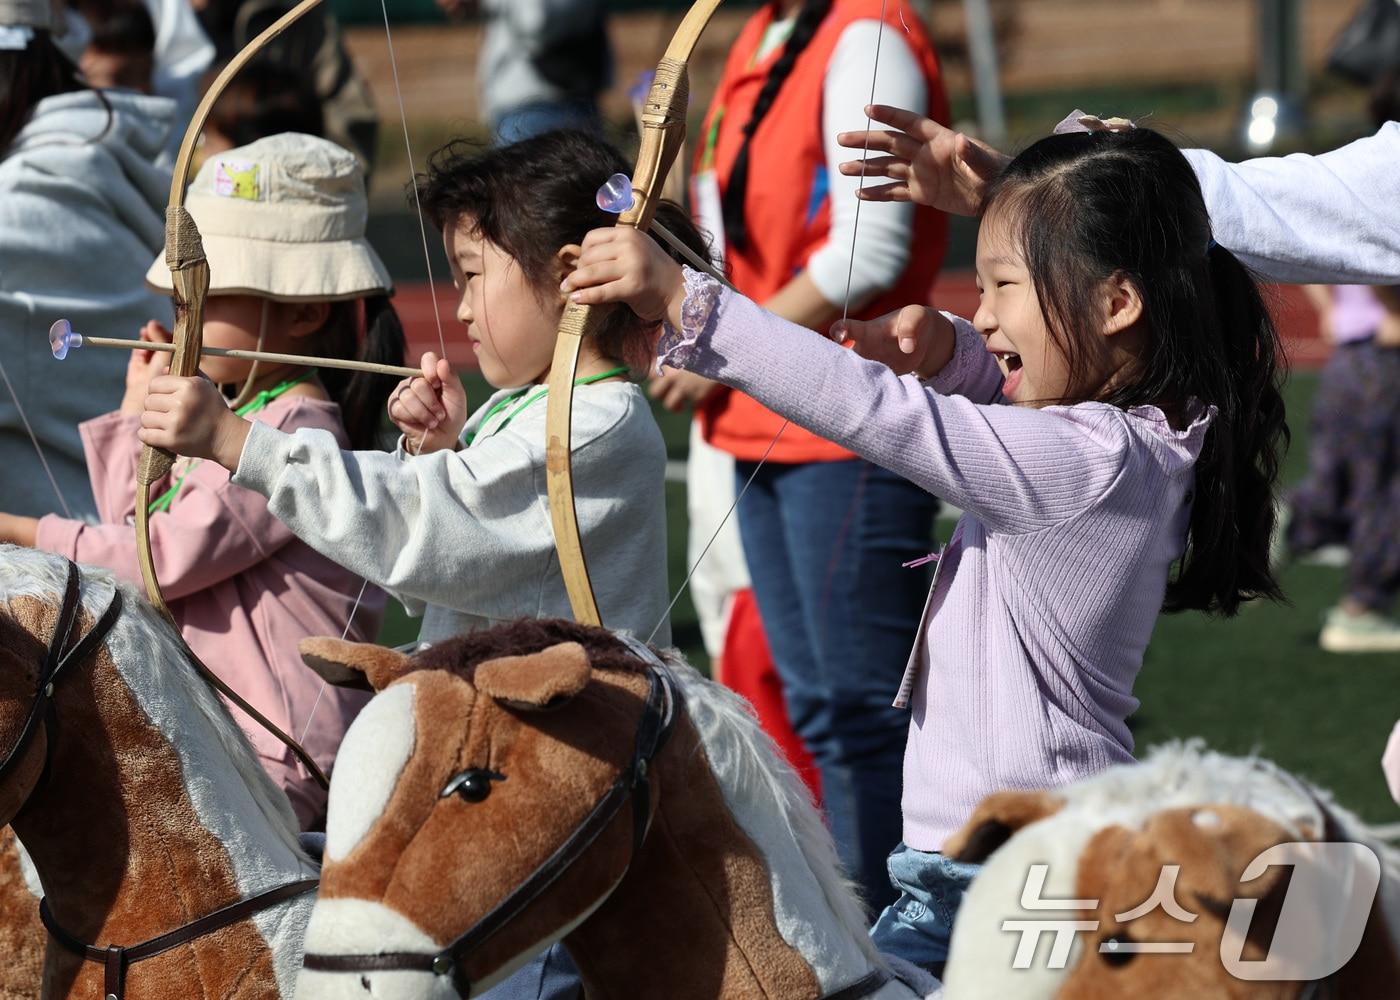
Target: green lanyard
(503, 403)
(259, 402)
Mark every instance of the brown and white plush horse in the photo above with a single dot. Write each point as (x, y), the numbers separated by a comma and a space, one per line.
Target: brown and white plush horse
(546, 781)
(137, 797)
(1104, 842)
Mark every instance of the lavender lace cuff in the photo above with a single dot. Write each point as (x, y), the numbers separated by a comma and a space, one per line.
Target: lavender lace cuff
(968, 346)
(699, 312)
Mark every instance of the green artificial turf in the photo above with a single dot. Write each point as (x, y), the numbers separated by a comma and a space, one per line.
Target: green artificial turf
(1257, 682)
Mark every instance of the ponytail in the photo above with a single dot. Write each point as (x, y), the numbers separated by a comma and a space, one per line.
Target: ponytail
(736, 230)
(362, 395)
(27, 77)
(1226, 561)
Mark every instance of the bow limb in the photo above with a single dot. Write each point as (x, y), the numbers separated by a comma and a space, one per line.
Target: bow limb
(663, 137)
(189, 274)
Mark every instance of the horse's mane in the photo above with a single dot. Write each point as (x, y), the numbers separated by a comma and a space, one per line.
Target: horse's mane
(27, 573)
(746, 763)
(750, 768)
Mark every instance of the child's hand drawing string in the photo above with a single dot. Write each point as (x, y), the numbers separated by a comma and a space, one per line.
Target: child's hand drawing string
(845, 313)
(432, 294)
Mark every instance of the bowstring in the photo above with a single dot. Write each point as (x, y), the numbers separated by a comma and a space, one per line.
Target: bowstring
(432, 294)
(34, 440)
(845, 315)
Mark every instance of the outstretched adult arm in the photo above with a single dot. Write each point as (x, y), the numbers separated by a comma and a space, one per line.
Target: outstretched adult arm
(1332, 218)
(1329, 219)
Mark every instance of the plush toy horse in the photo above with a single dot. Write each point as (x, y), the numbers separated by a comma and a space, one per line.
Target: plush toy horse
(545, 781)
(1105, 843)
(139, 801)
(21, 933)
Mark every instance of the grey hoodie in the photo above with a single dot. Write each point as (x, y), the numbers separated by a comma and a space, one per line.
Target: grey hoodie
(82, 207)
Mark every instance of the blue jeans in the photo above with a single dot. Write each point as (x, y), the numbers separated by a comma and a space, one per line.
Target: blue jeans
(550, 976)
(918, 926)
(530, 120)
(824, 542)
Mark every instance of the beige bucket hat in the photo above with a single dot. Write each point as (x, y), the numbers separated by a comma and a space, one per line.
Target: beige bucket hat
(26, 14)
(284, 218)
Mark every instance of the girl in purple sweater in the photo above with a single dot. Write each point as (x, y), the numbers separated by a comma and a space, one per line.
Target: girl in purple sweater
(1111, 422)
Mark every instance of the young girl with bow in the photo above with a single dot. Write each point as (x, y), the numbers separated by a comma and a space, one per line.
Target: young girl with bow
(456, 523)
(282, 221)
(1110, 421)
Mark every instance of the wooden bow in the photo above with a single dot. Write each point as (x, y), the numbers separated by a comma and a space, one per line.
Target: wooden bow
(663, 137)
(189, 273)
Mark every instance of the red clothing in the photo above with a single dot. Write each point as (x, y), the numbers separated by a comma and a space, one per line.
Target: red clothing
(243, 589)
(786, 205)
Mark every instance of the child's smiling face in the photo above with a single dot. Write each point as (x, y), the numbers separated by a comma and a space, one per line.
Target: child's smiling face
(1010, 317)
(511, 326)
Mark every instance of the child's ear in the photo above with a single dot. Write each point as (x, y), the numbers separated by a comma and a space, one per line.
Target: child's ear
(1122, 304)
(568, 259)
(305, 318)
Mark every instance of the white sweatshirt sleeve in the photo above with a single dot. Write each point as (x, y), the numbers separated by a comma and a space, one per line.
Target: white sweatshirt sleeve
(1328, 219)
(886, 228)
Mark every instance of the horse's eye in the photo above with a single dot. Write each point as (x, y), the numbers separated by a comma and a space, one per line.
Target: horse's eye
(1115, 951)
(472, 785)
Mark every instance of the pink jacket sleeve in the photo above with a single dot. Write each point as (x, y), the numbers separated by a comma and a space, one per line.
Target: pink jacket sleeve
(213, 531)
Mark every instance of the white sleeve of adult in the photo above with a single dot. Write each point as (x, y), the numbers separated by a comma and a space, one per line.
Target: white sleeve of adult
(886, 228)
(1328, 219)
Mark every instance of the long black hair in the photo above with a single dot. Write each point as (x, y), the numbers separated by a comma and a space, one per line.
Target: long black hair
(1086, 207)
(534, 197)
(362, 395)
(27, 77)
(809, 19)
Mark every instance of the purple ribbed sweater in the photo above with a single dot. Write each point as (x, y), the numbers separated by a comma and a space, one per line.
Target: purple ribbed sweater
(1048, 592)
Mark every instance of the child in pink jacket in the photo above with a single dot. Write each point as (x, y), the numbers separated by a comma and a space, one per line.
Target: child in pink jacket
(283, 226)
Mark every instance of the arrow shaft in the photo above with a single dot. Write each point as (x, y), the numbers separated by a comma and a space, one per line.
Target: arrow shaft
(282, 359)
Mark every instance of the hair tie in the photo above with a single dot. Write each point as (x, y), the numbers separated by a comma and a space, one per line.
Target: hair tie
(1211, 245)
(1078, 121)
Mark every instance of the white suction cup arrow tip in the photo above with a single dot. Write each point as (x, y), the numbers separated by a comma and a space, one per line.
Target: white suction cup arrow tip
(62, 339)
(615, 196)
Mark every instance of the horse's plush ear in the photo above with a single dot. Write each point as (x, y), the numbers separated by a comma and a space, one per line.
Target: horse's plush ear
(362, 666)
(995, 819)
(536, 681)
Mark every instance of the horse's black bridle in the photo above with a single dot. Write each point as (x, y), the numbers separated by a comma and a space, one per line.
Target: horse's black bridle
(658, 719)
(56, 662)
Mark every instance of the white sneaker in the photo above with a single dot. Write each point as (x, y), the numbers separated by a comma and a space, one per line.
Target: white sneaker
(1368, 632)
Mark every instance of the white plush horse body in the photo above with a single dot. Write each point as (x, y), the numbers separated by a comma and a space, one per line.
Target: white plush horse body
(155, 812)
(1105, 841)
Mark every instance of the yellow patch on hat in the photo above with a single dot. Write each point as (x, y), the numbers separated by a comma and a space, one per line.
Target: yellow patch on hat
(233, 179)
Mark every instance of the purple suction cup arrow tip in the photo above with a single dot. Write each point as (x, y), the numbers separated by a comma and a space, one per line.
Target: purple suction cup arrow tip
(62, 339)
(616, 195)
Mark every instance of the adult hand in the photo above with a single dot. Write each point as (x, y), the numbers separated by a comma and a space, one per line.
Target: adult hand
(680, 390)
(928, 163)
(430, 409)
(913, 339)
(144, 366)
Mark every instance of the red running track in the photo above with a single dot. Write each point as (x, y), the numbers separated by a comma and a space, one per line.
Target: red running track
(957, 293)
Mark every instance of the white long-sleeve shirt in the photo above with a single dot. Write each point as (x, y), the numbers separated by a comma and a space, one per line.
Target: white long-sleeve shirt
(465, 537)
(886, 228)
(1329, 219)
